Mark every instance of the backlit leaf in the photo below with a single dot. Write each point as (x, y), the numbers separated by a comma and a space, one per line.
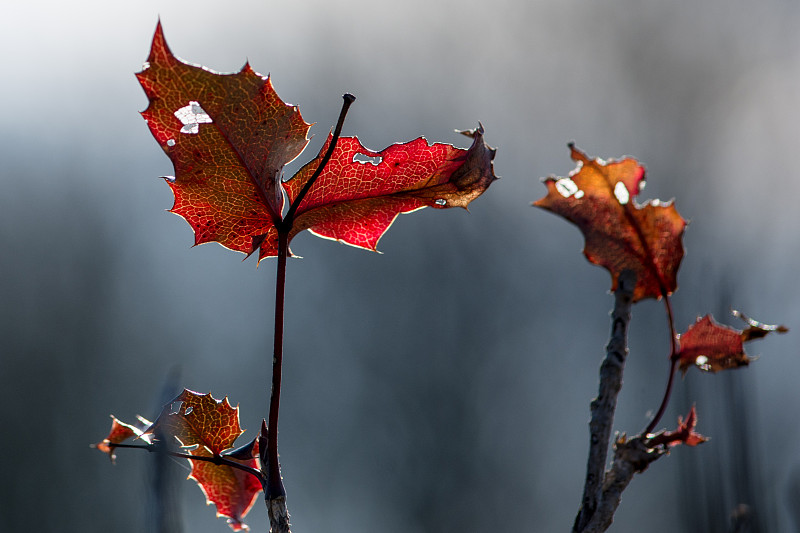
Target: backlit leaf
(228, 136)
(208, 427)
(712, 347)
(120, 432)
(360, 192)
(599, 197)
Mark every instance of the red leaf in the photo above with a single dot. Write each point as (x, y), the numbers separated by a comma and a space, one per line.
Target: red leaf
(598, 197)
(685, 434)
(711, 347)
(207, 427)
(355, 201)
(228, 136)
(120, 432)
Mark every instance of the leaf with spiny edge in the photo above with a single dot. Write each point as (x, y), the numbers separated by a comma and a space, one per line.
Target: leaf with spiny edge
(598, 197)
(712, 347)
(229, 137)
(120, 432)
(684, 434)
(208, 427)
(355, 201)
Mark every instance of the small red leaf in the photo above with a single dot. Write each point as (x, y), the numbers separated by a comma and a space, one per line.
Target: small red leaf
(120, 432)
(685, 434)
(598, 197)
(361, 192)
(207, 427)
(712, 347)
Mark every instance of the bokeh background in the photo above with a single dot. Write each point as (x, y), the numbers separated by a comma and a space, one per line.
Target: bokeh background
(443, 385)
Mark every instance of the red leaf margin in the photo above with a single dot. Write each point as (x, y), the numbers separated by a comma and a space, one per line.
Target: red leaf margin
(684, 434)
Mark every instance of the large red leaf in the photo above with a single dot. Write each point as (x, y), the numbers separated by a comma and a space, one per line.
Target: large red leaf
(598, 197)
(712, 347)
(360, 192)
(207, 427)
(228, 136)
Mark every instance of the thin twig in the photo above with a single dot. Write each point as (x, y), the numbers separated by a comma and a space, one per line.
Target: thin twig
(673, 366)
(337, 131)
(630, 457)
(604, 405)
(275, 492)
(219, 460)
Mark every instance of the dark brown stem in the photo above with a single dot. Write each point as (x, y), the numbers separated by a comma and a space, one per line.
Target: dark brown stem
(274, 482)
(337, 131)
(275, 492)
(673, 363)
(604, 405)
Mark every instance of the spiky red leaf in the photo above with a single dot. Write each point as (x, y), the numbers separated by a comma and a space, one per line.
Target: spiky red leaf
(598, 197)
(228, 136)
(120, 432)
(712, 347)
(207, 427)
(360, 192)
(684, 434)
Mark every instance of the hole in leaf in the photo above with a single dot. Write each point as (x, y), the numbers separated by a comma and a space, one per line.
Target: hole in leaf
(364, 158)
(191, 117)
(171, 142)
(188, 410)
(566, 188)
(621, 192)
(175, 408)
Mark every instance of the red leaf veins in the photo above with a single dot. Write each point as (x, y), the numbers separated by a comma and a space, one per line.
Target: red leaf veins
(598, 197)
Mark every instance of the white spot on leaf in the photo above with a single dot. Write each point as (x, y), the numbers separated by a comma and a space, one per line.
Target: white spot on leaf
(191, 117)
(702, 362)
(621, 192)
(440, 201)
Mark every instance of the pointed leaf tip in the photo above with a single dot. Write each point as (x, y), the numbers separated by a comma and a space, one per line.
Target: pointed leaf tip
(684, 434)
(228, 151)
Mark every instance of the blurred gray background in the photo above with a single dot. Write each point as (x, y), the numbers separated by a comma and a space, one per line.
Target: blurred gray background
(444, 385)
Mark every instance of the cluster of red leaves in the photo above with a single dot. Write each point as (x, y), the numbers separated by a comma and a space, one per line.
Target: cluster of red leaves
(599, 197)
(230, 135)
(203, 427)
